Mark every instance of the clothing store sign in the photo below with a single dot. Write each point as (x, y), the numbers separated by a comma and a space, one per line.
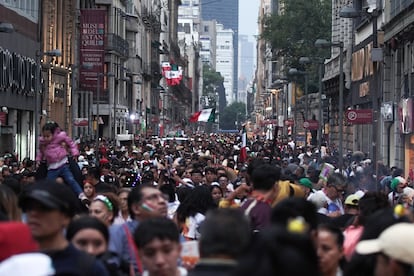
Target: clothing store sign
(18, 73)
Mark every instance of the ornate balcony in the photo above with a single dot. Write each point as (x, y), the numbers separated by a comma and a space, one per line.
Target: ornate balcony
(117, 44)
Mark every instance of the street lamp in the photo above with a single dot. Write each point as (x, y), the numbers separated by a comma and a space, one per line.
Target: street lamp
(296, 72)
(320, 62)
(280, 83)
(98, 99)
(39, 54)
(163, 92)
(73, 72)
(323, 43)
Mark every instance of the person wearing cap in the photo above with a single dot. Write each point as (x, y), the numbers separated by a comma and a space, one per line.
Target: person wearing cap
(306, 186)
(394, 250)
(49, 208)
(397, 189)
(370, 203)
(15, 238)
(351, 207)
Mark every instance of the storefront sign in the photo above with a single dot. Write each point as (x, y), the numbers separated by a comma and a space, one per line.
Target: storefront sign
(80, 122)
(18, 73)
(311, 124)
(289, 122)
(359, 116)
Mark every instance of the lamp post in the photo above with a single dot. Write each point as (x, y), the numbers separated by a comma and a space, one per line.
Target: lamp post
(39, 54)
(376, 55)
(322, 43)
(98, 99)
(163, 110)
(320, 62)
(296, 72)
(74, 93)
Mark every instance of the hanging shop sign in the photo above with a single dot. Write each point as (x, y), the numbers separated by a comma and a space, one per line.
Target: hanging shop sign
(359, 116)
(405, 112)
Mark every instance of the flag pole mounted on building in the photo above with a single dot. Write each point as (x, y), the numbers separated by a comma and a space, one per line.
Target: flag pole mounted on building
(205, 115)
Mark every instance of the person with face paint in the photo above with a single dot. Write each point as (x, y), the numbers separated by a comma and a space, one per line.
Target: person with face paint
(144, 202)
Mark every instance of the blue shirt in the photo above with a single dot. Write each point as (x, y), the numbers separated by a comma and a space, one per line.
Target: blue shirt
(118, 243)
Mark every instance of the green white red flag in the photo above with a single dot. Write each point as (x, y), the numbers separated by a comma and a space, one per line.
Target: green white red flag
(205, 115)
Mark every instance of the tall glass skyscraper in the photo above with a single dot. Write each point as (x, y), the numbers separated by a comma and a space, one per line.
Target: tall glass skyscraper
(225, 12)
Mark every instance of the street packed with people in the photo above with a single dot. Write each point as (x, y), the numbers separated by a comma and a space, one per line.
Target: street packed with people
(202, 204)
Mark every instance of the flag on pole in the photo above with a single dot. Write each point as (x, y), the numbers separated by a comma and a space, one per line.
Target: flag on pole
(243, 150)
(165, 66)
(172, 72)
(205, 115)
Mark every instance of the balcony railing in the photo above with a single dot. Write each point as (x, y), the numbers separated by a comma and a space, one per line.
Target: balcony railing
(116, 43)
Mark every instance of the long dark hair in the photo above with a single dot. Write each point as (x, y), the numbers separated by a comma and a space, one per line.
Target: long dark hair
(276, 251)
(198, 201)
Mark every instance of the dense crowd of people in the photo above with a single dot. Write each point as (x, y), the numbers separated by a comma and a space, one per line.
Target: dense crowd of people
(192, 206)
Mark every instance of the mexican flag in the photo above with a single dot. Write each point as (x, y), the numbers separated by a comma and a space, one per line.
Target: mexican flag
(172, 77)
(173, 73)
(165, 66)
(205, 115)
(243, 151)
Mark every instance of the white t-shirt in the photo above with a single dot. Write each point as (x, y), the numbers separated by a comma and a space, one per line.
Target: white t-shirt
(193, 224)
(336, 202)
(182, 271)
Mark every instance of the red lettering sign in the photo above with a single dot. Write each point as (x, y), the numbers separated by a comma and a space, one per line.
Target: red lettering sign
(289, 122)
(311, 124)
(3, 118)
(80, 121)
(359, 116)
(92, 49)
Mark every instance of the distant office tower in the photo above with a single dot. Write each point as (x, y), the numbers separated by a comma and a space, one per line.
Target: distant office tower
(208, 36)
(246, 66)
(225, 12)
(224, 60)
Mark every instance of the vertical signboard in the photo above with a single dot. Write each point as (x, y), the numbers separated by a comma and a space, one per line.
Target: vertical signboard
(92, 49)
(405, 111)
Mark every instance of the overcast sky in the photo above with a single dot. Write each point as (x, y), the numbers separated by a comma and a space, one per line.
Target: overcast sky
(248, 12)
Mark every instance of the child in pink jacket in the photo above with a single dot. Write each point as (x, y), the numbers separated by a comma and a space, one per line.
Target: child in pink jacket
(53, 147)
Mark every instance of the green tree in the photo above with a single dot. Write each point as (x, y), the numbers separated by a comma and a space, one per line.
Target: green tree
(211, 79)
(292, 33)
(236, 112)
